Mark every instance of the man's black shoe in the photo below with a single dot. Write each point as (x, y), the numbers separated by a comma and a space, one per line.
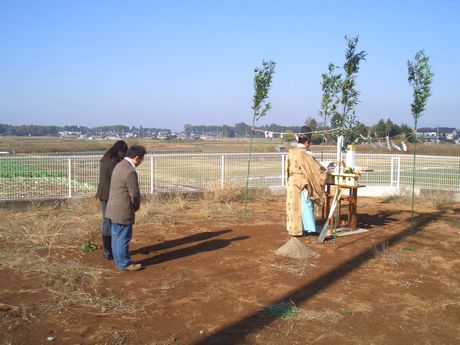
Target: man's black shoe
(107, 254)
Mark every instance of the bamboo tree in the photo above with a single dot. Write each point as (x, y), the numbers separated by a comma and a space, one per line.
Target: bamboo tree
(340, 96)
(419, 77)
(340, 91)
(330, 84)
(349, 96)
(262, 82)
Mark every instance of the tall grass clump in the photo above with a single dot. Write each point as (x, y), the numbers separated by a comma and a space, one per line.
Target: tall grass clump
(225, 194)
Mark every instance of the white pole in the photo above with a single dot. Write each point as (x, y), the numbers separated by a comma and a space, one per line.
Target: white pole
(340, 140)
(391, 172)
(69, 174)
(283, 162)
(151, 174)
(222, 171)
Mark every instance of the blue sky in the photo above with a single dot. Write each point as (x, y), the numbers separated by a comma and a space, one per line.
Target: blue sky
(168, 63)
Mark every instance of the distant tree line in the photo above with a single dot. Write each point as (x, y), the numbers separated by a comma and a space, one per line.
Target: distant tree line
(36, 130)
(381, 129)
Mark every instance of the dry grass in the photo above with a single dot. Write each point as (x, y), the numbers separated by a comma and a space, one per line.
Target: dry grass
(387, 256)
(71, 282)
(164, 210)
(225, 194)
(54, 144)
(436, 200)
(326, 315)
(422, 149)
(296, 267)
(171, 283)
(51, 227)
(116, 337)
(407, 283)
(291, 313)
(45, 242)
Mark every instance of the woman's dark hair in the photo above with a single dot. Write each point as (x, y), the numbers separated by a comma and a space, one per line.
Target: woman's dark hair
(305, 134)
(117, 151)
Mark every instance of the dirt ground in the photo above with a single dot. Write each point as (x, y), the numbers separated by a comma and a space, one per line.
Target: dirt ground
(216, 280)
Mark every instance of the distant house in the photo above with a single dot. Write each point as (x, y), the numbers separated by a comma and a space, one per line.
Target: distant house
(69, 135)
(456, 138)
(436, 135)
(453, 135)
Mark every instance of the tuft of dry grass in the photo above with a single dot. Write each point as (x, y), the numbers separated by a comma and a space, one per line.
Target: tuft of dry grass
(59, 230)
(72, 283)
(326, 315)
(116, 337)
(407, 283)
(225, 194)
(298, 268)
(164, 210)
(436, 200)
(387, 255)
(52, 226)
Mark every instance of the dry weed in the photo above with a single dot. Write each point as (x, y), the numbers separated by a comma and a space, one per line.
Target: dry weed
(407, 283)
(387, 256)
(51, 226)
(162, 210)
(74, 283)
(225, 194)
(430, 199)
(171, 283)
(147, 212)
(175, 201)
(297, 268)
(116, 337)
(326, 315)
(19, 315)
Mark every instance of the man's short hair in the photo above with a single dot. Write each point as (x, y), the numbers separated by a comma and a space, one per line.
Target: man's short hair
(136, 151)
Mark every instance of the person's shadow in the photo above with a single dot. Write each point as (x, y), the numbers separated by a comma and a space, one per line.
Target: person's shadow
(198, 248)
(179, 241)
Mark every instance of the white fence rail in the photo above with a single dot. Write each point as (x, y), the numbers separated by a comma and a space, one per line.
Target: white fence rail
(49, 177)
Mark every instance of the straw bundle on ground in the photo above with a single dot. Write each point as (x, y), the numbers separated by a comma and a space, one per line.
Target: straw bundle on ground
(294, 248)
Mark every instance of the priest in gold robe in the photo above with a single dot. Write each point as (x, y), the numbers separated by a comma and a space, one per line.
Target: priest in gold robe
(305, 178)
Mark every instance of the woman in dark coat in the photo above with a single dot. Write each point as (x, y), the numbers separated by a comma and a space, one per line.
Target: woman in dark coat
(108, 161)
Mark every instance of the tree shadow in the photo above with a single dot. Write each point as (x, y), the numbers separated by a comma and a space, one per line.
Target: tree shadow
(236, 332)
(369, 221)
(179, 241)
(198, 248)
(381, 219)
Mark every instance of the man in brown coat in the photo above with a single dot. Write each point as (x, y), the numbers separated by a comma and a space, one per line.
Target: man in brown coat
(303, 173)
(124, 201)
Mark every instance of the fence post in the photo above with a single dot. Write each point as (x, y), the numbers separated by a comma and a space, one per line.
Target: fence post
(282, 170)
(392, 168)
(395, 176)
(69, 174)
(151, 175)
(222, 171)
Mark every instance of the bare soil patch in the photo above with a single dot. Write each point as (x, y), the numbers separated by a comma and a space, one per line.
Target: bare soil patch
(212, 277)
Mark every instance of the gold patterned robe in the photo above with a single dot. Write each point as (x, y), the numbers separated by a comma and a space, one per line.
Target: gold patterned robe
(303, 171)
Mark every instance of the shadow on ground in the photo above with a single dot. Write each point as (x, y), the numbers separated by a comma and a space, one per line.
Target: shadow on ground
(236, 332)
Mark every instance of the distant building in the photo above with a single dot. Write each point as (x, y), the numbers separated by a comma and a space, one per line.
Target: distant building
(437, 134)
(68, 134)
